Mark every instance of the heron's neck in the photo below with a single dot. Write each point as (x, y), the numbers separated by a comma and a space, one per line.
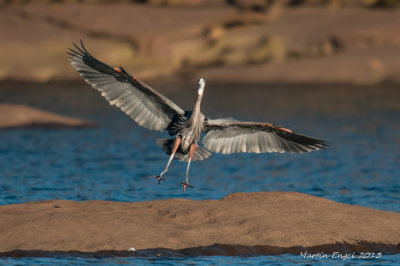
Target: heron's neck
(196, 110)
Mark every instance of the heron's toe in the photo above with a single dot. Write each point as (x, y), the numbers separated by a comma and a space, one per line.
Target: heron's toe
(159, 177)
(186, 185)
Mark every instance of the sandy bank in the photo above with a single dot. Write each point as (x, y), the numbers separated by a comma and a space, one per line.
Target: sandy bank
(238, 224)
(13, 116)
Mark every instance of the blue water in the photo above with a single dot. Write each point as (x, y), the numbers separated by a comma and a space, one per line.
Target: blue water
(212, 260)
(115, 161)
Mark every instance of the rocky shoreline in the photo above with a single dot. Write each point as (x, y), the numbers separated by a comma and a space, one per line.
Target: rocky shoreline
(281, 43)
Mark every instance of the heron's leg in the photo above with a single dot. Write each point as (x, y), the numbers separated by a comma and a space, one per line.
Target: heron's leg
(191, 152)
(187, 171)
(174, 149)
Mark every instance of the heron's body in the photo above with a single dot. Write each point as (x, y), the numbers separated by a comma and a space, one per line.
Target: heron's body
(154, 111)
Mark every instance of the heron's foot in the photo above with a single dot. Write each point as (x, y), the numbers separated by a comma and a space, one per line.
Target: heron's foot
(186, 185)
(160, 178)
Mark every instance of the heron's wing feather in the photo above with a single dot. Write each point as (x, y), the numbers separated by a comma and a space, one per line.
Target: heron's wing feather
(229, 136)
(143, 104)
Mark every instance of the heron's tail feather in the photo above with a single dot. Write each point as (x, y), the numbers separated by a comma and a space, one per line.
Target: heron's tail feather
(199, 153)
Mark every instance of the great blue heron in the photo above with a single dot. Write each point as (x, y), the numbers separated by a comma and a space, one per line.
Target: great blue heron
(154, 111)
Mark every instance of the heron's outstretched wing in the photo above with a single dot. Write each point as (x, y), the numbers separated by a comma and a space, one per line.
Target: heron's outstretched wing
(138, 100)
(229, 136)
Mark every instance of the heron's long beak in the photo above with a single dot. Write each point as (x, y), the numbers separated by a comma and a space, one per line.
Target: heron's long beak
(202, 84)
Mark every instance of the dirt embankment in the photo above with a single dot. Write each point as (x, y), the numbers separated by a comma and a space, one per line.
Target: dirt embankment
(14, 115)
(238, 224)
(278, 43)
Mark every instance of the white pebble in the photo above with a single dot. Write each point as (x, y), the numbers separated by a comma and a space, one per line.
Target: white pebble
(132, 249)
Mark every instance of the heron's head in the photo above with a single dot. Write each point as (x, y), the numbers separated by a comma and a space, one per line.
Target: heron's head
(202, 84)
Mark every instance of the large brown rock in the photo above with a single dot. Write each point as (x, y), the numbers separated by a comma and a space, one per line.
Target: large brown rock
(241, 223)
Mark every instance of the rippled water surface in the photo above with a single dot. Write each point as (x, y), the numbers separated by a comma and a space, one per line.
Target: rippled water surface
(115, 160)
(212, 260)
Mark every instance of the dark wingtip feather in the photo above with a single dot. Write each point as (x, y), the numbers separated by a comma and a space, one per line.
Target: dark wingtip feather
(83, 46)
(325, 144)
(80, 53)
(313, 143)
(79, 49)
